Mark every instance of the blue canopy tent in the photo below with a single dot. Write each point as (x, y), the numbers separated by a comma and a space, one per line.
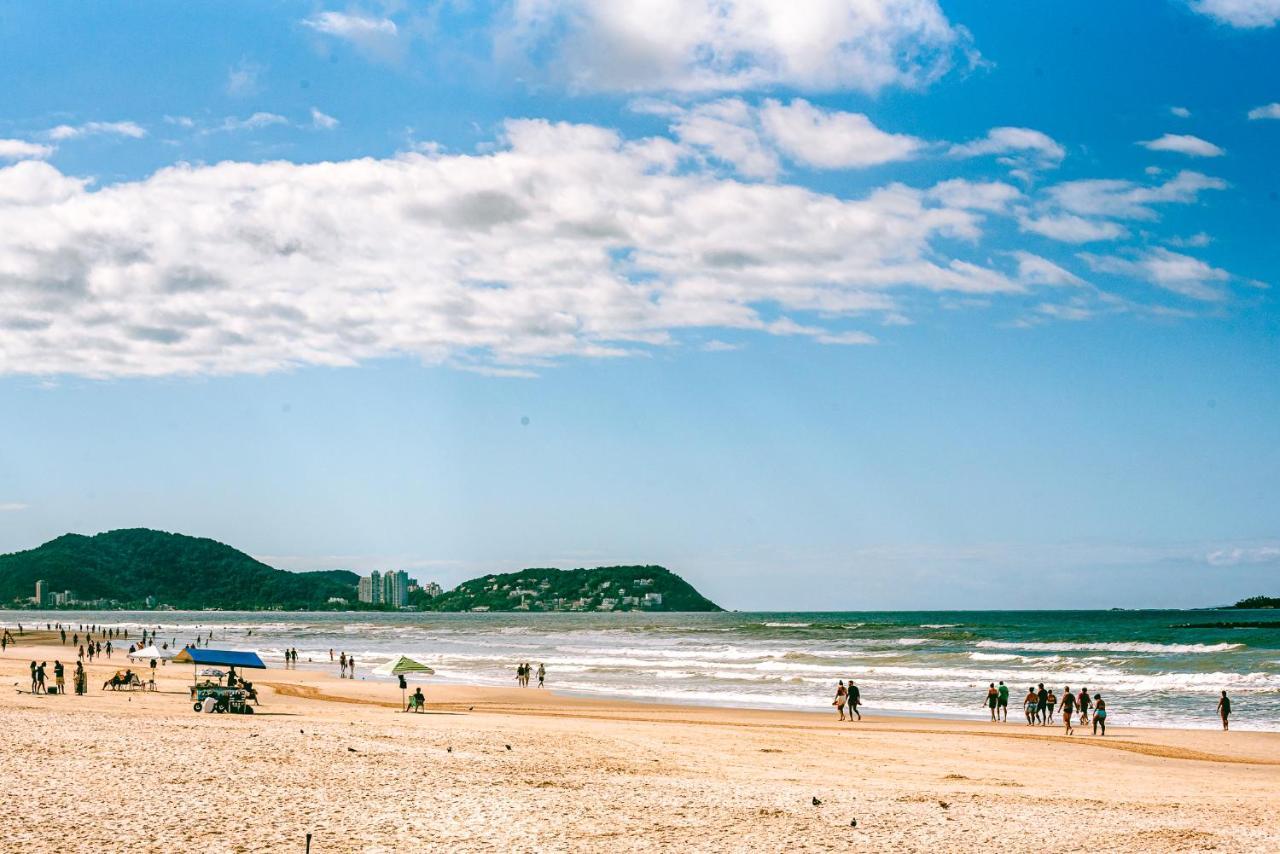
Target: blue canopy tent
(229, 699)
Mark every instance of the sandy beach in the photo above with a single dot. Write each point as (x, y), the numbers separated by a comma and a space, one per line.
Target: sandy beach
(527, 770)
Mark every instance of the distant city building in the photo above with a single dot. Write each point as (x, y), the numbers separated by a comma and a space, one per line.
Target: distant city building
(42, 593)
(337, 600)
(432, 589)
(651, 599)
(371, 588)
(395, 588)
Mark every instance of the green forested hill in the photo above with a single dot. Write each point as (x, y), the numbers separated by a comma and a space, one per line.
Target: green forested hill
(1259, 602)
(618, 588)
(129, 565)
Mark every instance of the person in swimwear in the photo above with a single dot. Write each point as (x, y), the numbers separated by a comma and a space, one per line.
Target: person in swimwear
(1029, 705)
(993, 697)
(1068, 708)
(841, 697)
(1099, 714)
(1224, 709)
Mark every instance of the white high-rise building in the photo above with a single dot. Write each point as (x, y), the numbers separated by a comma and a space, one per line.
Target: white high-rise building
(395, 588)
(370, 589)
(42, 593)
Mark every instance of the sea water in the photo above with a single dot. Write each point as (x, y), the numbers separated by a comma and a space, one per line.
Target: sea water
(1151, 671)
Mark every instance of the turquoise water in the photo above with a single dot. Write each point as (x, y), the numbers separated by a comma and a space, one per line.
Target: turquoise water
(934, 662)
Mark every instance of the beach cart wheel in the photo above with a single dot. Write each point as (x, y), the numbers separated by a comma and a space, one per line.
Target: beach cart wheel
(197, 707)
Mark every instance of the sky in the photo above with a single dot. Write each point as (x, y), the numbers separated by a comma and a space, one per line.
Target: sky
(823, 304)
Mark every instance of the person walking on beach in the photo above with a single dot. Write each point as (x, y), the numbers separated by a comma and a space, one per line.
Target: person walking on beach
(842, 696)
(1083, 702)
(542, 674)
(1053, 704)
(351, 667)
(1003, 701)
(82, 681)
(35, 686)
(1099, 714)
(855, 700)
(57, 677)
(330, 656)
(1224, 709)
(342, 666)
(40, 678)
(1029, 705)
(993, 699)
(1068, 708)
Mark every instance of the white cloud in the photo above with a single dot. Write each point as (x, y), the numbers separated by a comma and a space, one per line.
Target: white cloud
(1196, 241)
(12, 506)
(1244, 556)
(131, 130)
(1180, 274)
(379, 37)
(1035, 270)
(20, 149)
(321, 121)
(180, 121)
(735, 45)
(1128, 200)
(1248, 14)
(993, 196)
(1014, 141)
(1180, 112)
(1268, 111)
(832, 139)
(754, 138)
(231, 124)
(728, 130)
(242, 80)
(566, 240)
(1070, 228)
(1182, 143)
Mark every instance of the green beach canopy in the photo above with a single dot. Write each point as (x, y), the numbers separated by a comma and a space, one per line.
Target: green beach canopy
(403, 665)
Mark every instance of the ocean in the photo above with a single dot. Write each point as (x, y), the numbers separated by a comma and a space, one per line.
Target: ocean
(1151, 672)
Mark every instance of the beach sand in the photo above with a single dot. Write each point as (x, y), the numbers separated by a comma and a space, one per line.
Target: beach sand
(335, 758)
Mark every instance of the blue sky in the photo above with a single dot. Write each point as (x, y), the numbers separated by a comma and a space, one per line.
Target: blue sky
(823, 304)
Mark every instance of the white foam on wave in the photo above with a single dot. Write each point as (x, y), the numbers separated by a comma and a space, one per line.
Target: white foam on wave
(1102, 646)
(940, 625)
(788, 625)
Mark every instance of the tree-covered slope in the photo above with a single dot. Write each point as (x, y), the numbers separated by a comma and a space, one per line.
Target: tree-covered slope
(1259, 602)
(129, 565)
(617, 588)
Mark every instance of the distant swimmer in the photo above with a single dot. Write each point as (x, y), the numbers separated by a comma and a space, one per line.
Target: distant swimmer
(1224, 709)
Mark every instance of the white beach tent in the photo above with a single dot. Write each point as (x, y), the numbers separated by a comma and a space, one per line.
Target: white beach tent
(153, 652)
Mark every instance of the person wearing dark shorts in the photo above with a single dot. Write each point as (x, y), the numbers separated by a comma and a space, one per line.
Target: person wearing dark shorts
(854, 699)
(1042, 705)
(1224, 709)
(993, 697)
(1068, 708)
(1099, 714)
(1002, 701)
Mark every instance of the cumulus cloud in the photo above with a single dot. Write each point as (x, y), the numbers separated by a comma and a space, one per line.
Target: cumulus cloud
(1180, 274)
(322, 121)
(735, 45)
(1268, 111)
(20, 149)
(1180, 112)
(232, 124)
(754, 139)
(242, 80)
(1070, 228)
(1247, 14)
(1128, 200)
(1182, 143)
(132, 130)
(1035, 270)
(1024, 142)
(12, 506)
(375, 36)
(565, 240)
(832, 139)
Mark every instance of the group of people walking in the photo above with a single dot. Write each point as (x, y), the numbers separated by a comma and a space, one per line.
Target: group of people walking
(523, 672)
(1040, 704)
(346, 665)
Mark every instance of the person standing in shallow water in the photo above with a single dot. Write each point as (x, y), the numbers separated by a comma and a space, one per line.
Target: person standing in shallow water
(1068, 708)
(993, 699)
(1099, 714)
(842, 697)
(1224, 709)
(1003, 701)
(855, 700)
